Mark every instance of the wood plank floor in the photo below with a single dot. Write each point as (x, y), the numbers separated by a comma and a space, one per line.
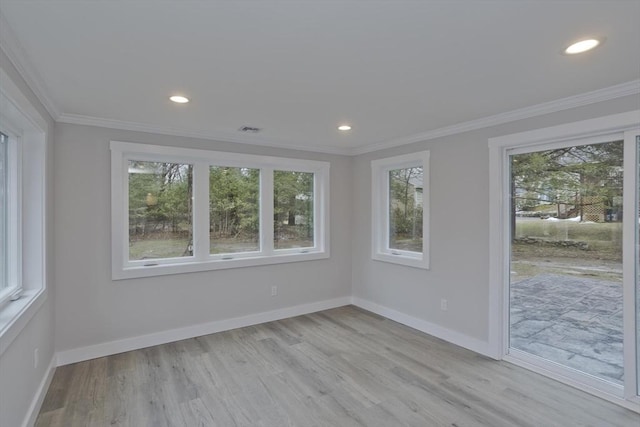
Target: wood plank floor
(341, 367)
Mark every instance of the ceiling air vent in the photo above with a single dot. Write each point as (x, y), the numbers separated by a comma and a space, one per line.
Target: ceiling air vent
(249, 129)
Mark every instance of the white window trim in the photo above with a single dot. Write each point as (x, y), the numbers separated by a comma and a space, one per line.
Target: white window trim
(596, 130)
(122, 268)
(380, 210)
(21, 118)
(14, 216)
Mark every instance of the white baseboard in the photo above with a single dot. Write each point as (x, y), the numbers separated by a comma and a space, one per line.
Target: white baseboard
(36, 403)
(429, 328)
(114, 347)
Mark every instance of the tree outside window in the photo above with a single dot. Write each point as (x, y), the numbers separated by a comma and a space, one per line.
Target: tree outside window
(160, 210)
(405, 209)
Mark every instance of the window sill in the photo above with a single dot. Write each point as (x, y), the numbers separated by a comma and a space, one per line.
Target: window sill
(15, 315)
(402, 260)
(214, 264)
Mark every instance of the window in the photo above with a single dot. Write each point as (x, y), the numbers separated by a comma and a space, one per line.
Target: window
(180, 210)
(292, 209)
(160, 219)
(10, 228)
(400, 207)
(234, 210)
(23, 219)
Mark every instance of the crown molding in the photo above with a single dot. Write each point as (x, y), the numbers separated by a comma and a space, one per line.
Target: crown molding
(78, 119)
(618, 91)
(600, 95)
(19, 58)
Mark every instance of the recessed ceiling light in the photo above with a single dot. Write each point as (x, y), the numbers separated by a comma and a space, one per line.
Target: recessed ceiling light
(344, 127)
(582, 46)
(179, 99)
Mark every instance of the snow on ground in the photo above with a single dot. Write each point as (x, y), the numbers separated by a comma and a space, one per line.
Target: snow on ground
(576, 219)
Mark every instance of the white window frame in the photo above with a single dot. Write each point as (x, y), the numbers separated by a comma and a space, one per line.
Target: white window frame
(202, 260)
(380, 210)
(14, 218)
(28, 132)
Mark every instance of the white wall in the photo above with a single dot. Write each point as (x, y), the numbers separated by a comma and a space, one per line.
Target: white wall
(20, 382)
(459, 232)
(92, 309)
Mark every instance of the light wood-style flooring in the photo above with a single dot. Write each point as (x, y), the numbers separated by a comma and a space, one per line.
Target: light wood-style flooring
(342, 367)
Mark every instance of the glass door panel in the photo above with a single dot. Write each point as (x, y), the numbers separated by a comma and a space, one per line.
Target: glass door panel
(566, 293)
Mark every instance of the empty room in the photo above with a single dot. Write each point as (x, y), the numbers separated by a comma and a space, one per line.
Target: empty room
(319, 213)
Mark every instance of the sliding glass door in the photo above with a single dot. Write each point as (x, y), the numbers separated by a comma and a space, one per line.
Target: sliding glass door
(566, 257)
(574, 260)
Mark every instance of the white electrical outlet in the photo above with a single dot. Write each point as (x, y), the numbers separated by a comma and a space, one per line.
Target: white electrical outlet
(36, 357)
(274, 291)
(444, 304)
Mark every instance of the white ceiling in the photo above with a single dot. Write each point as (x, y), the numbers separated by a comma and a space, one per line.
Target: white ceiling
(394, 70)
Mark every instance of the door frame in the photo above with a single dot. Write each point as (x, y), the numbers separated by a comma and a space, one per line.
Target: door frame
(629, 265)
(613, 127)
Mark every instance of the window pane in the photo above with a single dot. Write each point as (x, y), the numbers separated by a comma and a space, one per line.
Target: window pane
(405, 209)
(160, 210)
(4, 167)
(234, 209)
(293, 209)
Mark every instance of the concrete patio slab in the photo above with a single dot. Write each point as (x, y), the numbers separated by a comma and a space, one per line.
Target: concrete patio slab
(573, 321)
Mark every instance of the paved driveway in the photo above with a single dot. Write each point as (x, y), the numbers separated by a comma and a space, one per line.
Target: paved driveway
(570, 320)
